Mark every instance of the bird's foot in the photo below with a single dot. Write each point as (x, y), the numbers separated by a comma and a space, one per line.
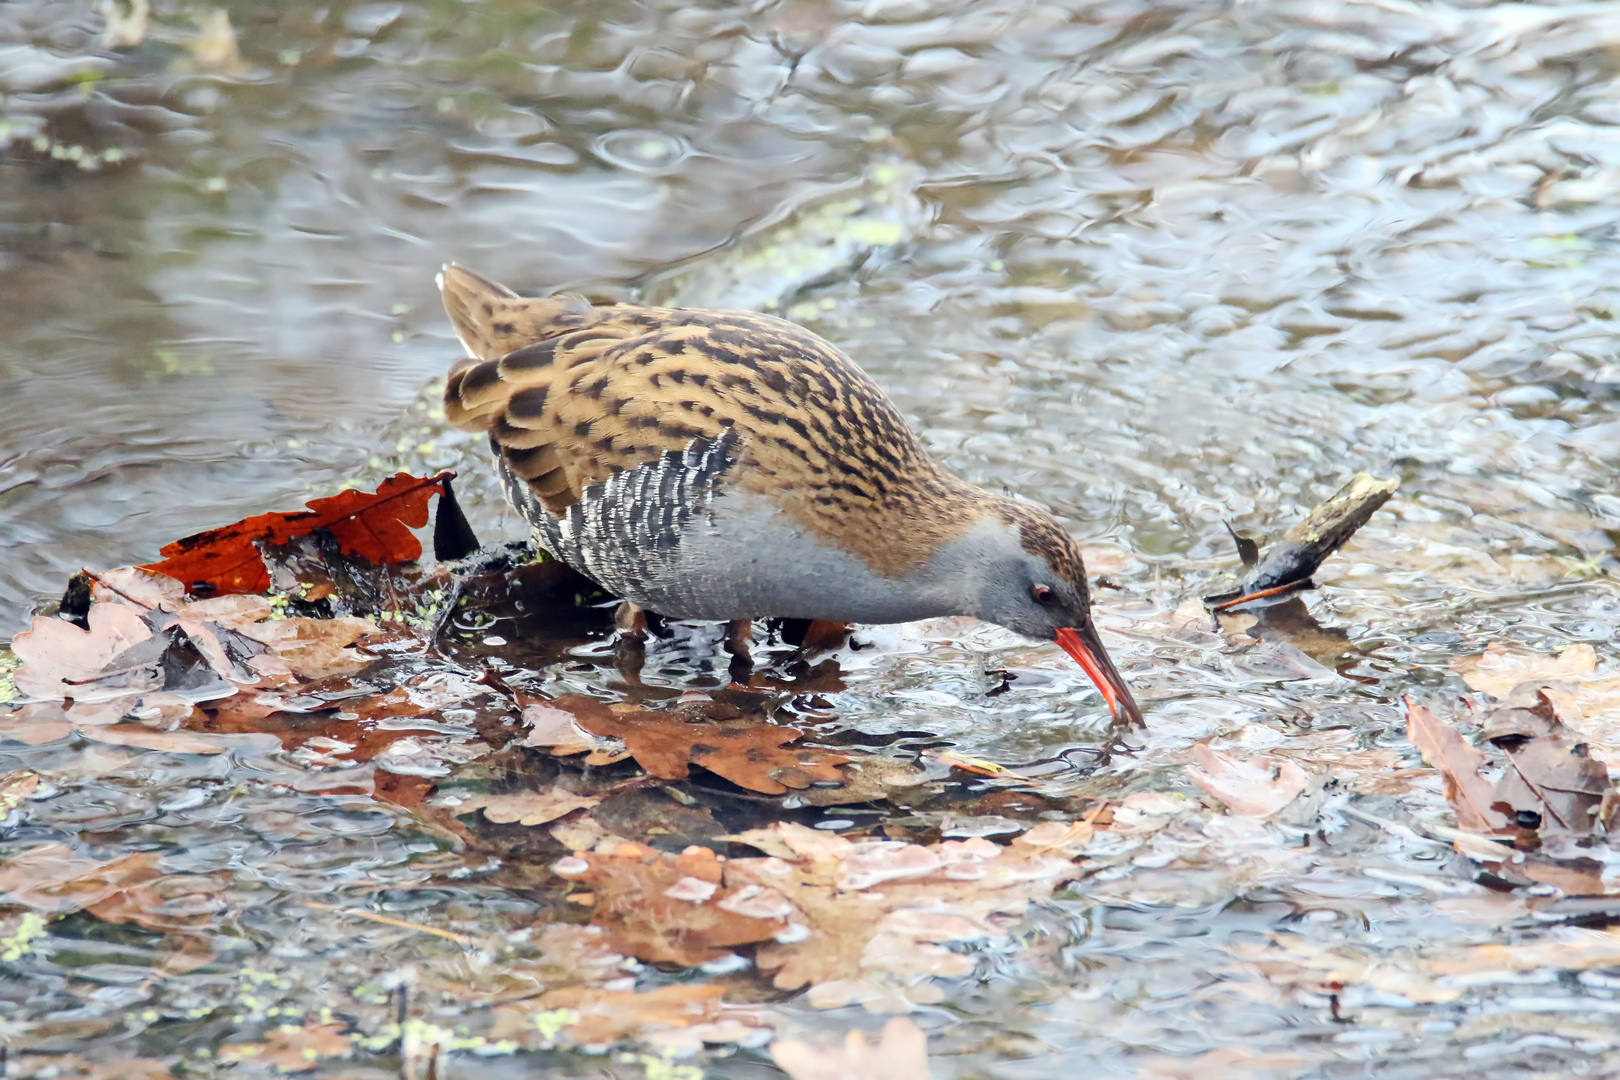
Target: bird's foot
(739, 642)
(822, 635)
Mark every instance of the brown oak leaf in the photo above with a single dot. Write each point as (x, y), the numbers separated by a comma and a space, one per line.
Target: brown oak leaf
(375, 526)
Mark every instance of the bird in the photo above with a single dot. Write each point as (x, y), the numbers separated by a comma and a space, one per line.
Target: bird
(731, 466)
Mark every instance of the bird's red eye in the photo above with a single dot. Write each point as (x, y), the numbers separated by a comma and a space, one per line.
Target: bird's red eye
(1043, 595)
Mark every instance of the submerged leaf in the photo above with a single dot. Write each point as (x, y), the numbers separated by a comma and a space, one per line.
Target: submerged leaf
(1500, 668)
(605, 1016)
(527, 807)
(870, 920)
(1424, 976)
(750, 754)
(145, 738)
(76, 1067)
(15, 788)
(1258, 787)
(291, 1048)
(901, 1055)
(51, 879)
(649, 910)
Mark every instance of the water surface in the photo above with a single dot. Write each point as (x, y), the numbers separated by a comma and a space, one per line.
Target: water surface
(1158, 266)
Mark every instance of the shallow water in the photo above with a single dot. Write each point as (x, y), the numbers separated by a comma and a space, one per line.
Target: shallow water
(1157, 266)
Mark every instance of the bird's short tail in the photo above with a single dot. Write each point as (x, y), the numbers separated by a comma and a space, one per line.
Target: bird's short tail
(492, 320)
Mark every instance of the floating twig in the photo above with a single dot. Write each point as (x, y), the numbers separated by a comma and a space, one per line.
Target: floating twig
(1289, 563)
(389, 920)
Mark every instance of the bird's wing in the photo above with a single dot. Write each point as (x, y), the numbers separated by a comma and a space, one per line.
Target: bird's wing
(596, 391)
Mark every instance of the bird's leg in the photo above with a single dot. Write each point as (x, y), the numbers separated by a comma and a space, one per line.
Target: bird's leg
(739, 636)
(631, 647)
(631, 621)
(739, 641)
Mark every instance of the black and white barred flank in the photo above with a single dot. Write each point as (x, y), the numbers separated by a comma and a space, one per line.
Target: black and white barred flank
(626, 531)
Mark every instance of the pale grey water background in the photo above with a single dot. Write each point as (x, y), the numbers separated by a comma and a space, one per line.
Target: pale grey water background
(1154, 265)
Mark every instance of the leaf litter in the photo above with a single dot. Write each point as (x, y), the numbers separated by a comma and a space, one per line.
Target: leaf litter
(671, 826)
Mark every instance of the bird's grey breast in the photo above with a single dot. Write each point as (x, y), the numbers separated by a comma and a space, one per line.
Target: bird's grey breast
(674, 537)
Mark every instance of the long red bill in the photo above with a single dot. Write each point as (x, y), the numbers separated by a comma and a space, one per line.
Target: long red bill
(1082, 643)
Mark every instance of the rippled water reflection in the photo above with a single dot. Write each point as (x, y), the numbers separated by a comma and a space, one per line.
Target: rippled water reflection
(1159, 266)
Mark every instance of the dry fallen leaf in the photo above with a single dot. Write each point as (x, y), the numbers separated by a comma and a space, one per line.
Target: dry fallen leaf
(314, 648)
(901, 1055)
(1549, 774)
(374, 526)
(138, 585)
(62, 661)
(1258, 787)
(1586, 699)
(236, 639)
(554, 729)
(1469, 793)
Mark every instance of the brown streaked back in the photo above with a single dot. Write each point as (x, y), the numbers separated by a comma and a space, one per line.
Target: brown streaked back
(571, 394)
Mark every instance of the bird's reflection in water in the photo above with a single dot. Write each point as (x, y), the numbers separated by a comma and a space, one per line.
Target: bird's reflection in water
(789, 656)
(1290, 621)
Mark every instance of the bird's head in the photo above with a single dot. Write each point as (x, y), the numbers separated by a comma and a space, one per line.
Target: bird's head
(1034, 583)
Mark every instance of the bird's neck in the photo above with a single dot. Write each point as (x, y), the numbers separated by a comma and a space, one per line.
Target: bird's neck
(954, 579)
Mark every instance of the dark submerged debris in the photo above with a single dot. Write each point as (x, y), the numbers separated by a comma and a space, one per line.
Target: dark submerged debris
(453, 536)
(75, 604)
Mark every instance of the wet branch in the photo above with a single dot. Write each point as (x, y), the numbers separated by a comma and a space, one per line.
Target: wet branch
(1290, 562)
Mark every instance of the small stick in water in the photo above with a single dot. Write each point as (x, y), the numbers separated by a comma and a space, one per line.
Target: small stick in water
(1289, 563)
